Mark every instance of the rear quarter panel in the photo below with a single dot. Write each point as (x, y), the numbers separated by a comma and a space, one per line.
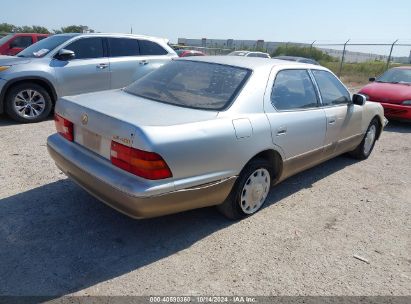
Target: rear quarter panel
(207, 151)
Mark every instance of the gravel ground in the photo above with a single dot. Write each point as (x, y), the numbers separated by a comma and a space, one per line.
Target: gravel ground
(55, 239)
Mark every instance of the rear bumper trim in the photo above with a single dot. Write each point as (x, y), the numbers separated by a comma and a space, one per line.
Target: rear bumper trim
(145, 206)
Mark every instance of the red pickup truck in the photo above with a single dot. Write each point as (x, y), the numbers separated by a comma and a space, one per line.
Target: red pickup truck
(14, 43)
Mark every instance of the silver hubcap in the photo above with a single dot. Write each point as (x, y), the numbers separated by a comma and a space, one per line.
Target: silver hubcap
(29, 103)
(369, 139)
(255, 191)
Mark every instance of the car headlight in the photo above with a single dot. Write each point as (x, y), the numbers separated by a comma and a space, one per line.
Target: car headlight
(4, 67)
(366, 96)
(407, 103)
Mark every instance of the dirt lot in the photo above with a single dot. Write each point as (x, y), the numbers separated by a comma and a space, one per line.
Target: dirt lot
(55, 239)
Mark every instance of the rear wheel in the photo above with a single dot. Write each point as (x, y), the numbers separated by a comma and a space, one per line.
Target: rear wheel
(364, 149)
(28, 102)
(250, 190)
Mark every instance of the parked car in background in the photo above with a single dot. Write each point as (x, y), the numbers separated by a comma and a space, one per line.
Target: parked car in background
(12, 44)
(393, 91)
(204, 131)
(189, 53)
(71, 64)
(297, 59)
(249, 54)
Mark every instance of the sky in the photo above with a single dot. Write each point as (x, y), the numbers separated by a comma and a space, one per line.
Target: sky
(332, 21)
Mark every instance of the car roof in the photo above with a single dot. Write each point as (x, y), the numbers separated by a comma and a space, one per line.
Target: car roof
(25, 34)
(251, 63)
(112, 35)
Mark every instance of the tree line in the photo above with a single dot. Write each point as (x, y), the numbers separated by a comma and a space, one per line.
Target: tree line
(11, 28)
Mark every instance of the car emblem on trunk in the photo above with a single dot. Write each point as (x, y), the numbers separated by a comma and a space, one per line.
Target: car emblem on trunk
(84, 119)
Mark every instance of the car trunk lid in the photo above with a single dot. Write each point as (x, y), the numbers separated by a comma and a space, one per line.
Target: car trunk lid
(102, 117)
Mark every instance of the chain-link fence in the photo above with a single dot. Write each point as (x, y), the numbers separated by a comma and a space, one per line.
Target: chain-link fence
(352, 61)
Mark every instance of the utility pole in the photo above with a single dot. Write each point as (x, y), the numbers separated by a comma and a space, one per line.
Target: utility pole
(131, 29)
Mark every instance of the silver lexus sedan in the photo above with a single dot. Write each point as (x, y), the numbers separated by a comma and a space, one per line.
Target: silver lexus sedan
(209, 131)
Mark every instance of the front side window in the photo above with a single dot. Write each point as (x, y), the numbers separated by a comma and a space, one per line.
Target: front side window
(151, 48)
(21, 42)
(120, 47)
(197, 85)
(293, 90)
(331, 89)
(87, 48)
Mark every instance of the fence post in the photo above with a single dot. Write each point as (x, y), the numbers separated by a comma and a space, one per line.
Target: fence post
(311, 48)
(342, 58)
(389, 56)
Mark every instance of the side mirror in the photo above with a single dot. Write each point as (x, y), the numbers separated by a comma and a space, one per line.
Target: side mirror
(359, 99)
(371, 79)
(65, 55)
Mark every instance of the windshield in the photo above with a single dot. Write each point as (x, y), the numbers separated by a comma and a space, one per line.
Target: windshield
(5, 38)
(197, 85)
(396, 76)
(43, 47)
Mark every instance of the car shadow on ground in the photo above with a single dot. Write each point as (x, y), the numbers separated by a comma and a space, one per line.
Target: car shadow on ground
(398, 127)
(7, 121)
(56, 239)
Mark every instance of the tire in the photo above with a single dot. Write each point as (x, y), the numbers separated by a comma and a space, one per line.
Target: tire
(364, 149)
(258, 172)
(28, 102)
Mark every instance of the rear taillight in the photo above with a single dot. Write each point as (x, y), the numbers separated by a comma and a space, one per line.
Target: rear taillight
(64, 127)
(148, 165)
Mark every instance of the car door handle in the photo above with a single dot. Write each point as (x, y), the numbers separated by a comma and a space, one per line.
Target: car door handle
(281, 131)
(102, 66)
(331, 120)
(144, 62)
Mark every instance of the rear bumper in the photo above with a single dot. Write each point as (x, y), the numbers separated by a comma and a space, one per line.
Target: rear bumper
(127, 194)
(396, 111)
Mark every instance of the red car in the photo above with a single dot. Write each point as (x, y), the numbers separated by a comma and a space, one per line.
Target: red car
(14, 43)
(393, 90)
(188, 53)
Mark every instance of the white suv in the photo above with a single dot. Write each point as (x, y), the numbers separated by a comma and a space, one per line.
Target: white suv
(71, 64)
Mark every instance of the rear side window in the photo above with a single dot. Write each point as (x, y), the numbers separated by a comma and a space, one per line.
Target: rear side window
(331, 89)
(293, 90)
(151, 48)
(198, 85)
(120, 47)
(87, 48)
(21, 41)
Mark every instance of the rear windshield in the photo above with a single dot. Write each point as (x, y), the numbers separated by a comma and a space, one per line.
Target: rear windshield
(192, 84)
(237, 53)
(5, 38)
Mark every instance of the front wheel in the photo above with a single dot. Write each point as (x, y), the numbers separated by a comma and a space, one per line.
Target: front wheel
(250, 190)
(28, 102)
(364, 149)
